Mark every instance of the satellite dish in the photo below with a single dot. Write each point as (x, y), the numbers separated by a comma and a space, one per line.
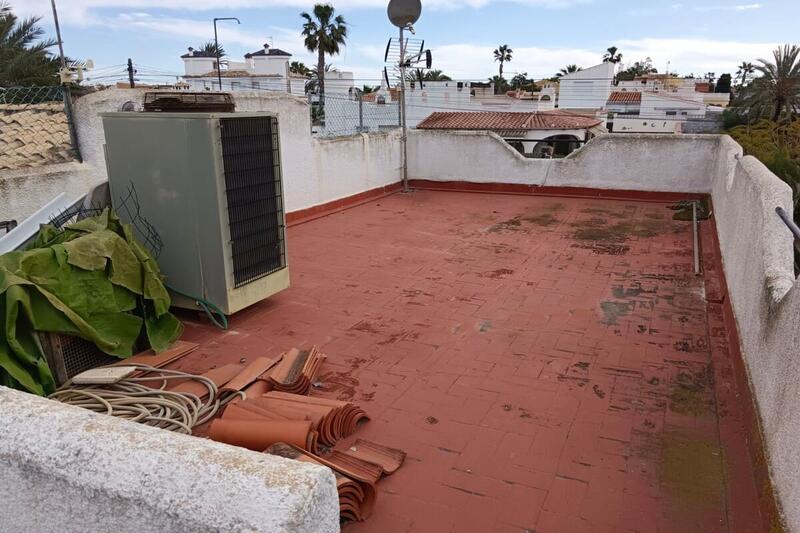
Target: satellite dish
(404, 12)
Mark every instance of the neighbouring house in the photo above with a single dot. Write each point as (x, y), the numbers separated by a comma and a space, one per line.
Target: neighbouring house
(653, 112)
(624, 102)
(588, 88)
(379, 110)
(543, 134)
(700, 88)
(265, 69)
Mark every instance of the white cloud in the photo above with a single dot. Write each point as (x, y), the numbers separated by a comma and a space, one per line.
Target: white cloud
(739, 7)
(468, 61)
(83, 12)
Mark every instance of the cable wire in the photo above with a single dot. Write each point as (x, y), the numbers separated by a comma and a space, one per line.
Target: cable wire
(131, 399)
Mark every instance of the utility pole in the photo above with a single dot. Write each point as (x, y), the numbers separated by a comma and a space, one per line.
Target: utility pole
(131, 81)
(65, 91)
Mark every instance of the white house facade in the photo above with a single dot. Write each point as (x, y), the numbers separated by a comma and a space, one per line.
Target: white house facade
(265, 69)
(588, 88)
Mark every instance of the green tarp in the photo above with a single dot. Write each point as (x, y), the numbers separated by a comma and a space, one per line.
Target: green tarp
(92, 280)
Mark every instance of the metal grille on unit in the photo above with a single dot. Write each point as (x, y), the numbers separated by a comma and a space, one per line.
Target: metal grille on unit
(250, 155)
(68, 356)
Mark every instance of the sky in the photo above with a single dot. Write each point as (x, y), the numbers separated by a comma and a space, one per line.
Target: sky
(692, 37)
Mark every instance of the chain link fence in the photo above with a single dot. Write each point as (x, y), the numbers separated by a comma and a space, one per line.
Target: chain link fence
(34, 128)
(348, 115)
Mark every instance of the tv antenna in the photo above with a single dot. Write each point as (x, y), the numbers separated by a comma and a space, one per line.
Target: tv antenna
(403, 14)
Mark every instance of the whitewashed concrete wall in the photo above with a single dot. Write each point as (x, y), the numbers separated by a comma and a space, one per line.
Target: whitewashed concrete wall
(63, 468)
(635, 162)
(315, 171)
(757, 259)
(24, 191)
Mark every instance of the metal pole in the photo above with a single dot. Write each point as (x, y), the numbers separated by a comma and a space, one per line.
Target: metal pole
(216, 46)
(360, 112)
(404, 134)
(130, 73)
(65, 92)
(789, 223)
(695, 239)
(58, 34)
(216, 52)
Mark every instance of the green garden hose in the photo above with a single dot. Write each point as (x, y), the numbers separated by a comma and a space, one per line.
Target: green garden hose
(214, 313)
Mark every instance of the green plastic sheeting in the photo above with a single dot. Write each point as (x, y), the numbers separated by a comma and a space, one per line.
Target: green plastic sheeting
(92, 280)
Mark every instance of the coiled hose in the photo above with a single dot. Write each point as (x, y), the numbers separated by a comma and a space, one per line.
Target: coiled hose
(132, 400)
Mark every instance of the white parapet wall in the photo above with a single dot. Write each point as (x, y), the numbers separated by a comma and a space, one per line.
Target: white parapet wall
(665, 163)
(757, 259)
(315, 170)
(66, 469)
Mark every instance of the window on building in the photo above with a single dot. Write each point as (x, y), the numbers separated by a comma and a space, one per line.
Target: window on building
(256, 85)
(235, 85)
(381, 100)
(672, 113)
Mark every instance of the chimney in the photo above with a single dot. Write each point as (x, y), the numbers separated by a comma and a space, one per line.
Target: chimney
(266, 48)
(191, 49)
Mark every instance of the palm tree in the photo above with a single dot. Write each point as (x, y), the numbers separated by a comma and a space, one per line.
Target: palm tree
(24, 55)
(299, 68)
(210, 48)
(500, 84)
(436, 75)
(367, 89)
(313, 83)
(569, 69)
(778, 89)
(503, 55)
(746, 70)
(612, 55)
(324, 34)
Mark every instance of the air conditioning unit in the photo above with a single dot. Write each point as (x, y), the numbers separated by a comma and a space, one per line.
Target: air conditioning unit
(204, 193)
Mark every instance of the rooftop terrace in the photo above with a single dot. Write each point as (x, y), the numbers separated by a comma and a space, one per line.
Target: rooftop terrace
(548, 363)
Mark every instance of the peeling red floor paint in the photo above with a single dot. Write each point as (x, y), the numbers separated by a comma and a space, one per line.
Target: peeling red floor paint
(545, 362)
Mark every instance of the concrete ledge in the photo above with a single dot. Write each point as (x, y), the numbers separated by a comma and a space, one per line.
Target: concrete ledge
(66, 469)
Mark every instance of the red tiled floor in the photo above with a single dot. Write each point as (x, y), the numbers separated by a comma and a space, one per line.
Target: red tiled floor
(545, 362)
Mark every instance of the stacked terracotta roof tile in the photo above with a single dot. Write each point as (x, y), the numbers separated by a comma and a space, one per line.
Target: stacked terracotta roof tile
(355, 477)
(506, 121)
(300, 427)
(296, 371)
(625, 97)
(33, 135)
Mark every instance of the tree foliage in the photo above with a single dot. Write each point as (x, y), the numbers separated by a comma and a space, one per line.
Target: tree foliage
(522, 82)
(724, 84)
(612, 55)
(299, 68)
(777, 145)
(436, 75)
(639, 68)
(569, 69)
(25, 57)
(210, 48)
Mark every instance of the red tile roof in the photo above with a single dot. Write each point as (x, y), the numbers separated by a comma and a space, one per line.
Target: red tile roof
(625, 97)
(505, 121)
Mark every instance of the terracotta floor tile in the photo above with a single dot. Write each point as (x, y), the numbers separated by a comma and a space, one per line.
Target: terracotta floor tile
(553, 359)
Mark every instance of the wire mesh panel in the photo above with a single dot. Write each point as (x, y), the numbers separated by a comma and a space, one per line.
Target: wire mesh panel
(251, 157)
(34, 130)
(344, 115)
